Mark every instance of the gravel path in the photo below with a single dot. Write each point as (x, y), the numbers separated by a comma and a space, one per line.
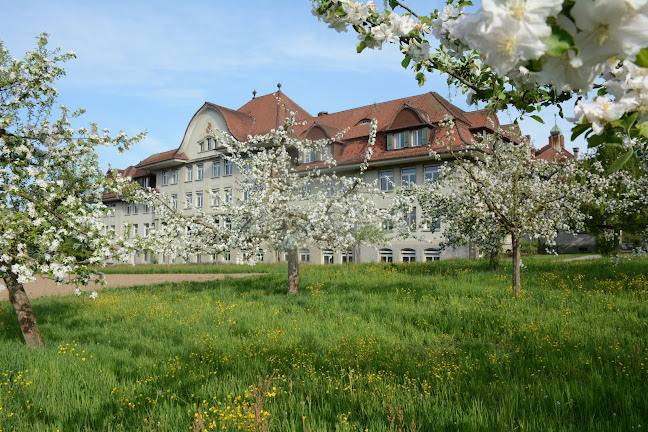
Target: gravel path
(45, 287)
(583, 258)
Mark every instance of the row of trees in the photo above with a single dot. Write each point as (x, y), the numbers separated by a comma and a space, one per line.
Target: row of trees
(508, 53)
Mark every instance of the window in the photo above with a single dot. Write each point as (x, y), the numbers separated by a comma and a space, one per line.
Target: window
(432, 254)
(135, 229)
(209, 143)
(147, 208)
(174, 201)
(216, 168)
(190, 173)
(408, 177)
(129, 206)
(307, 188)
(311, 156)
(431, 173)
(410, 218)
(215, 197)
(348, 255)
(304, 256)
(147, 230)
(227, 256)
(259, 255)
(201, 144)
(387, 180)
(145, 182)
(198, 258)
(386, 255)
(229, 167)
(189, 200)
(135, 208)
(330, 187)
(200, 172)
(228, 194)
(199, 199)
(328, 256)
(404, 139)
(174, 176)
(408, 255)
(437, 225)
(388, 225)
(401, 140)
(165, 178)
(228, 223)
(417, 138)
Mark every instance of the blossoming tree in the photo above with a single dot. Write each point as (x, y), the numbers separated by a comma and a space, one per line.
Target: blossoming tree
(525, 54)
(497, 190)
(277, 204)
(50, 184)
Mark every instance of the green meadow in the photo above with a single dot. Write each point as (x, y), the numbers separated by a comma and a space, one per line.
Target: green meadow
(439, 346)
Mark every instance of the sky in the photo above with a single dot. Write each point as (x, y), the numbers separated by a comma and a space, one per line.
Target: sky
(150, 65)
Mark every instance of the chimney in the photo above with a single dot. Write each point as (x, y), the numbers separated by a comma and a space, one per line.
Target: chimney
(322, 113)
(576, 153)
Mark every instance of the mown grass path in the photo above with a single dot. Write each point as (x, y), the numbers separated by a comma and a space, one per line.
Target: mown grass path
(443, 342)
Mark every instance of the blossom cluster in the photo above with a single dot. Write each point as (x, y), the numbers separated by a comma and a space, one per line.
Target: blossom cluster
(520, 52)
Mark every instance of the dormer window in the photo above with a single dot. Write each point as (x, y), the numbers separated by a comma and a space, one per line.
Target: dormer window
(209, 143)
(407, 138)
(201, 144)
(364, 121)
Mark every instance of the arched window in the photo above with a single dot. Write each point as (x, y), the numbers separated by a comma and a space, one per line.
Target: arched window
(327, 256)
(386, 255)
(304, 256)
(432, 254)
(408, 255)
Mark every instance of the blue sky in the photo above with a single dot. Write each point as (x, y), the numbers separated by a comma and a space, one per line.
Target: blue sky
(149, 66)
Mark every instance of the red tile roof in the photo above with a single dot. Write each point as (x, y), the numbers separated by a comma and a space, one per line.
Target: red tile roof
(161, 157)
(549, 154)
(269, 113)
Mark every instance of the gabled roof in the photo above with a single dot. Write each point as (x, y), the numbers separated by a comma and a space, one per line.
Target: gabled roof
(269, 113)
(239, 124)
(549, 154)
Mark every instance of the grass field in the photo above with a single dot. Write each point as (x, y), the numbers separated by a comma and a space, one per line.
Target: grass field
(427, 347)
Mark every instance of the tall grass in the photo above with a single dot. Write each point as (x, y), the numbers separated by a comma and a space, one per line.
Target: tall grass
(443, 342)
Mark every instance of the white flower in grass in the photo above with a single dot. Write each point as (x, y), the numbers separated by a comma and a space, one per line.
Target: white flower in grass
(78, 292)
(94, 295)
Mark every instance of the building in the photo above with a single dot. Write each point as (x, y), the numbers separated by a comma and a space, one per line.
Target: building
(407, 129)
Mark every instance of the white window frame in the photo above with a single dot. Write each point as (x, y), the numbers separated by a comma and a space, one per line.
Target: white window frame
(189, 176)
(406, 177)
(431, 173)
(216, 168)
(399, 140)
(408, 255)
(386, 255)
(189, 200)
(165, 178)
(199, 199)
(432, 254)
(386, 181)
(304, 256)
(328, 256)
(229, 167)
(174, 176)
(200, 171)
(416, 137)
(215, 197)
(228, 194)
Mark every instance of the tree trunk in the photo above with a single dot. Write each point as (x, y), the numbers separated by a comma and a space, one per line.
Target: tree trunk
(293, 271)
(516, 264)
(24, 313)
(494, 259)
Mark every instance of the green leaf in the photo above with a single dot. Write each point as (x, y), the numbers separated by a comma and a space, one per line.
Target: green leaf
(420, 77)
(537, 118)
(559, 41)
(406, 61)
(621, 161)
(643, 129)
(393, 4)
(626, 122)
(579, 129)
(642, 58)
(361, 46)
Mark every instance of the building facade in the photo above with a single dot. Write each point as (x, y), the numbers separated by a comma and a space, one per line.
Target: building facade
(196, 174)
